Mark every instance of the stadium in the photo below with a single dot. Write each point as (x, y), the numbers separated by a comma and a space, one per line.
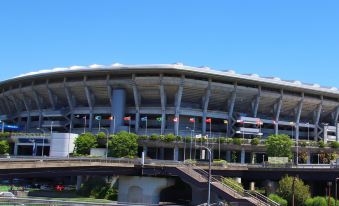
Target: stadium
(168, 98)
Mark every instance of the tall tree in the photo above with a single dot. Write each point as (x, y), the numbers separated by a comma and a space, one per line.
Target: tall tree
(123, 144)
(279, 146)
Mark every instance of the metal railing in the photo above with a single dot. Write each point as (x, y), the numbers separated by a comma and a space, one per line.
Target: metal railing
(258, 198)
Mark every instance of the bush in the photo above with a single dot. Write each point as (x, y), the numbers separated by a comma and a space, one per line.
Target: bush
(123, 144)
(4, 147)
(229, 140)
(278, 199)
(84, 143)
(334, 144)
(303, 143)
(101, 138)
(279, 146)
(218, 161)
(154, 137)
(93, 183)
(238, 141)
(111, 194)
(222, 140)
(319, 201)
(233, 184)
(255, 141)
(169, 138)
(187, 139)
(143, 137)
(178, 138)
(321, 144)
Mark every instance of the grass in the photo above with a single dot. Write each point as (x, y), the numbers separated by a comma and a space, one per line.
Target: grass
(75, 199)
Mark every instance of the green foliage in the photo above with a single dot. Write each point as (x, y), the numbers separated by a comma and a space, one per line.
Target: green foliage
(4, 147)
(219, 161)
(255, 141)
(279, 146)
(303, 143)
(143, 137)
(234, 156)
(334, 144)
(5, 135)
(276, 198)
(101, 138)
(112, 194)
(123, 144)
(321, 144)
(169, 138)
(238, 141)
(302, 191)
(319, 201)
(154, 137)
(84, 143)
(96, 187)
(222, 140)
(326, 157)
(229, 140)
(233, 184)
(178, 138)
(302, 157)
(187, 139)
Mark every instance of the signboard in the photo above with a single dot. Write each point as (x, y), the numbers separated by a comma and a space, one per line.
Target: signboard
(277, 160)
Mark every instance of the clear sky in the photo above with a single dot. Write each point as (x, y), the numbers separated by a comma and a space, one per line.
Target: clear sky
(288, 39)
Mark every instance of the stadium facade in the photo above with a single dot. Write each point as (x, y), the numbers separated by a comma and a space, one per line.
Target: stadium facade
(168, 98)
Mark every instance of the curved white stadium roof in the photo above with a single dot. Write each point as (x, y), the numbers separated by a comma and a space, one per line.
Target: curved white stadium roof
(180, 66)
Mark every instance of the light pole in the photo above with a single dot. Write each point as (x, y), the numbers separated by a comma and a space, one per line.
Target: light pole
(308, 131)
(209, 174)
(107, 134)
(43, 141)
(297, 140)
(52, 127)
(336, 191)
(191, 141)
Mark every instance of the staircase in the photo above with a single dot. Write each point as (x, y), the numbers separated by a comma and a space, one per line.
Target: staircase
(232, 194)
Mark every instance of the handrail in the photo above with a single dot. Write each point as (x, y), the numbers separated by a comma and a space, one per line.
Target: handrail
(262, 200)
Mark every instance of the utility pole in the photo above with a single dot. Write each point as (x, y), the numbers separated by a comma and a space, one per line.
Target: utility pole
(293, 189)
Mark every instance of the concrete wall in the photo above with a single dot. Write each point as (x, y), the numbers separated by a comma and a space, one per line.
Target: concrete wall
(62, 144)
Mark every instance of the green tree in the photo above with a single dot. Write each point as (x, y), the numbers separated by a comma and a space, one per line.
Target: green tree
(279, 146)
(4, 147)
(123, 144)
(84, 143)
(301, 191)
(101, 138)
(278, 199)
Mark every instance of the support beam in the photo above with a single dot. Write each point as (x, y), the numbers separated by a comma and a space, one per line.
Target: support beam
(231, 103)
(178, 104)
(297, 116)
(255, 103)
(52, 98)
(27, 107)
(137, 102)
(69, 96)
(90, 101)
(277, 110)
(163, 100)
(7, 104)
(335, 116)
(205, 106)
(110, 97)
(38, 102)
(316, 118)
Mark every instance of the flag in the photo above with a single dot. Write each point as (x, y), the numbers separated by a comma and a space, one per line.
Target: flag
(225, 121)
(159, 119)
(144, 119)
(176, 119)
(192, 119)
(111, 118)
(259, 122)
(128, 118)
(292, 123)
(98, 118)
(209, 120)
(84, 117)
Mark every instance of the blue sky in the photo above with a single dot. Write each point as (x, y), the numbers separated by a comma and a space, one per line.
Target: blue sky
(289, 39)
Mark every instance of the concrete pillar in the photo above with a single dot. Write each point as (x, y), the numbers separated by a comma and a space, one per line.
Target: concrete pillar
(242, 156)
(15, 149)
(337, 131)
(253, 160)
(162, 153)
(118, 107)
(228, 156)
(325, 133)
(176, 153)
(142, 190)
(90, 121)
(238, 180)
(145, 150)
(308, 161)
(252, 186)
(79, 182)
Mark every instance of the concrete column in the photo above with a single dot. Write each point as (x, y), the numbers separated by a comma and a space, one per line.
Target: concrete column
(242, 157)
(15, 149)
(145, 150)
(228, 156)
(79, 182)
(337, 131)
(142, 190)
(252, 186)
(176, 153)
(308, 161)
(162, 153)
(238, 180)
(90, 121)
(118, 107)
(253, 158)
(325, 133)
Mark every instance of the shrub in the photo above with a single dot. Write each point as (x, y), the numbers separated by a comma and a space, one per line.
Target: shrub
(302, 191)
(143, 137)
(4, 147)
(123, 144)
(111, 194)
(321, 144)
(303, 143)
(219, 161)
(233, 184)
(154, 137)
(222, 140)
(238, 141)
(229, 140)
(84, 143)
(187, 139)
(278, 199)
(334, 144)
(279, 146)
(178, 138)
(169, 138)
(255, 141)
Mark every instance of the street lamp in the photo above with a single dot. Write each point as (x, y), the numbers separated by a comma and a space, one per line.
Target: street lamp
(43, 140)
(336, 191)
(209, 174)
(52, 127)
(107, 134)
(191, 141)
(308, 131)
(2, 126)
